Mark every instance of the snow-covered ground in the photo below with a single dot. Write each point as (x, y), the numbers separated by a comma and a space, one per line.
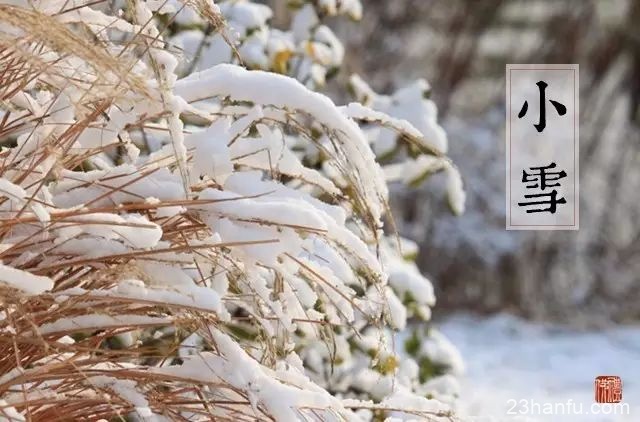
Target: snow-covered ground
(510, 361)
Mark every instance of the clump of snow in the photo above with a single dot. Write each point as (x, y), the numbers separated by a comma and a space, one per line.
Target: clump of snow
(23, 280)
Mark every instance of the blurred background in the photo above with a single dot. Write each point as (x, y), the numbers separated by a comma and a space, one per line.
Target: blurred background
(590, 277)
(536, 315)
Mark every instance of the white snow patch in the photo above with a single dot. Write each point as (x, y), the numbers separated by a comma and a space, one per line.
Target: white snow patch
(509, 358)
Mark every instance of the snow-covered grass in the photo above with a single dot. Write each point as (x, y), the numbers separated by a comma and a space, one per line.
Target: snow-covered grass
(204, 245)
(509, 358)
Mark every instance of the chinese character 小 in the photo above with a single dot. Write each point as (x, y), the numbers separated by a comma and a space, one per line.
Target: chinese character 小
(542, 121)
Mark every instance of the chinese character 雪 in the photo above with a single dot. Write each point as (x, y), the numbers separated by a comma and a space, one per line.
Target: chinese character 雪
(541, 178)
